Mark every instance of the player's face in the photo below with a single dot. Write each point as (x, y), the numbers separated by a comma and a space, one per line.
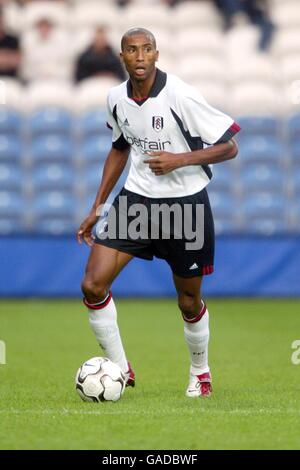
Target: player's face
(139, 56)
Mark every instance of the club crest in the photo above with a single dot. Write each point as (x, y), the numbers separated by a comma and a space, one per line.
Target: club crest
(157, 123)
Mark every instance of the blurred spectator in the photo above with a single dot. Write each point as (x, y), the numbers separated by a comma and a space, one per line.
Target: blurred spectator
(99, 59)
(255, 10)
(47, 52)
(10, 56)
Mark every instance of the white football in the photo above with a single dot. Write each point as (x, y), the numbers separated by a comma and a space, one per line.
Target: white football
(100, 379)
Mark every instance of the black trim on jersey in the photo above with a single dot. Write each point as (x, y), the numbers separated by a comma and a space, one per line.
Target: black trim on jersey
(195, 143)
(159, 83)
(121, 143)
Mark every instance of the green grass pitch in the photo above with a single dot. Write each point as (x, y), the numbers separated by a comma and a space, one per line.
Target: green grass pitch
(256, 399)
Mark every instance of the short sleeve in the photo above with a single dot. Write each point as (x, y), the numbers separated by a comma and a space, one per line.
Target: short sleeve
(202, 120)
(118, 140)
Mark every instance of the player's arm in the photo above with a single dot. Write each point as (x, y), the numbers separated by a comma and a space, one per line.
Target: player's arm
(113, 168)
(161, 163)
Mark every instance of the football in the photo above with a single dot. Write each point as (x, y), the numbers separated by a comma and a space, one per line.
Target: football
(99, 380)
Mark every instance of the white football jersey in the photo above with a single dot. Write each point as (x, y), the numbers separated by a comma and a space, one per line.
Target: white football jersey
(174, 118)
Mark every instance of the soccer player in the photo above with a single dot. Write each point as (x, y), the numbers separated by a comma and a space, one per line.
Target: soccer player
(172, 136)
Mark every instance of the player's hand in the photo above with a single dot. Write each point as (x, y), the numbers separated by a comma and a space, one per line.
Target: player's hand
(84, 233)
(161, 163)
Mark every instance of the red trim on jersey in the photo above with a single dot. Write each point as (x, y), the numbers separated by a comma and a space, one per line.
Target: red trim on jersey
(140, 99)
(198, 317)
(207, 269)
(98, 306)
(235, 127)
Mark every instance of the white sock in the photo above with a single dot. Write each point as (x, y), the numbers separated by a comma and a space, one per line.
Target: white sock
(196, 333)
(103, 321)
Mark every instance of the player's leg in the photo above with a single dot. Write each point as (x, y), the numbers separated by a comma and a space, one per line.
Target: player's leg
(103, 266)
(196, 332)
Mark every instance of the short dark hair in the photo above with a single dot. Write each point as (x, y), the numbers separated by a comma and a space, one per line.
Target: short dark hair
(136, 32)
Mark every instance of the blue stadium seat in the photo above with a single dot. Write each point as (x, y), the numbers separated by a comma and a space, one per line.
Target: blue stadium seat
(293, 127)
(95, 149)
(11, 204)
(93, 123)
(10, 176)
(265, 226)
(10, 121)
(223, 204)
(56, 226)
(93, 176)
(50, 121)
(266, 150)
(54, 204)
(10, 148)
(264, 205)
(11, 226)
(52, 149)
(296, 180)
(259, 125)
(295, 151)
(226, 225)
(223, 175)
(53, 176)
(262, 177)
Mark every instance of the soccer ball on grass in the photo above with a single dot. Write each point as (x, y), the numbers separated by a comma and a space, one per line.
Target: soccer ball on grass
(100, 379)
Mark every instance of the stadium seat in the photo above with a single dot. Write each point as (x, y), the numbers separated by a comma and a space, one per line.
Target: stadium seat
(95, 149)
(93, 123)
(10, 121)
(264, 205)
(51, 148)
(92, 93)
(262, 177)
(295, 181)
(241, 41)
(266, 226)
(56, 226)
(223, 174)
(11, 225)
(10, 148)
(196, 14)
(286, 42)
(11, 204)
(257, 98)
(49, 93)
(10, 177)
(295, 152)
(54, 204)
(12, 94)
(206, 67)
(267, 150)
(215, 93)
(286, 14)
(89, 14)
(50, 121)
(150, 16)
(290, 69)
(227, 225)
(259, 125)
(293, 127)
(256, 67)
(199, 41)
(53, 177)
(223, 203)
(56, 12)
(92, 177)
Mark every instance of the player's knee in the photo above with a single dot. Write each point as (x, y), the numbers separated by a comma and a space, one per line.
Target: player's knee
(93, 291)
(189, 304)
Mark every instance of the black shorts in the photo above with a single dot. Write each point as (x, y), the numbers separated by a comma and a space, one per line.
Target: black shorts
(164, 236)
